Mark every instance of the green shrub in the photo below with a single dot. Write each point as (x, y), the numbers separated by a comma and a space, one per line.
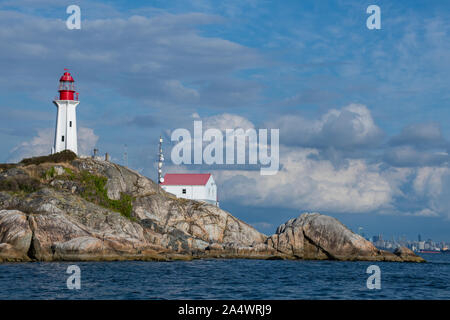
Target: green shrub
(123, 205)
(94, 190)
(6, 166)
(20, 183)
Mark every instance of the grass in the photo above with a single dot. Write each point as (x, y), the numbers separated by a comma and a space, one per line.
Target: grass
(50, 173)
(63, 156)
(69, 171)
(94, 190)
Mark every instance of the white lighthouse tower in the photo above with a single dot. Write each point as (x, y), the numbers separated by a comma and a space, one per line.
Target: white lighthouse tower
(66, 118)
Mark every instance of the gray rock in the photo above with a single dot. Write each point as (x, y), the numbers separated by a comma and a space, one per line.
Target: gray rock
(56, 222)
(316, 236)
(197, 219)
(407, 255)
(120, 179)
(15, 236)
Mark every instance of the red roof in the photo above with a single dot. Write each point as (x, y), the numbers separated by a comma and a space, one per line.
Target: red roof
(186, 179)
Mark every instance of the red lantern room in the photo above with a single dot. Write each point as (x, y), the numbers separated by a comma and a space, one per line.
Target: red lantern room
(66, 87)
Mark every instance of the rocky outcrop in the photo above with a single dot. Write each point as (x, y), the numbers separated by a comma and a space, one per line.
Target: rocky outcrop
(15, 236)
(316, 236)
(200, 220)
(120, 179)
(86, 209)
(65, 224)
(407, 255)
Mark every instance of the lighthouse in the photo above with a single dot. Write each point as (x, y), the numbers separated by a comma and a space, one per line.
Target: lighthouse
(66, 117)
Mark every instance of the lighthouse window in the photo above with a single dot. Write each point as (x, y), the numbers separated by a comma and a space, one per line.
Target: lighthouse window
(70, 124)
(62, 138)
(184, 191)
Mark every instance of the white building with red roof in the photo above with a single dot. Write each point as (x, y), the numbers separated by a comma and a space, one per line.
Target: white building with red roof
(193, 186)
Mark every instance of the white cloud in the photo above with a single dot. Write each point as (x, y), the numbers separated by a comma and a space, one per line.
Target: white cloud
(309, 182)
(422, 135)
(426, 213)
(227, 121)
(305, 183)
(42, 143)
(418, 145)
(87, 140)
(39, 145)
(432, 184)
(162, 58)
(221, 122)
(428, 180)
(409, 156)
(347, 128)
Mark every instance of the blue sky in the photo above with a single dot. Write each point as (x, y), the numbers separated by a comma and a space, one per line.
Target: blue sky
(363, 114)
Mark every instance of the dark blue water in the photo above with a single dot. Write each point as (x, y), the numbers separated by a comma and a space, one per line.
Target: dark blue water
(228, 279)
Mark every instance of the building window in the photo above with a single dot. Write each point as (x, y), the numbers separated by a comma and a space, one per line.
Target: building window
(183, 191)
(70, 124)
(62, 138)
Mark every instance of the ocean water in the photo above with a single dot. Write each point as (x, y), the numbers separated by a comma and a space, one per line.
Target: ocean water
(228, 279)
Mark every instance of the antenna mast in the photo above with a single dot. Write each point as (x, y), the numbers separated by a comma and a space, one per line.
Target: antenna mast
(160, 161)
